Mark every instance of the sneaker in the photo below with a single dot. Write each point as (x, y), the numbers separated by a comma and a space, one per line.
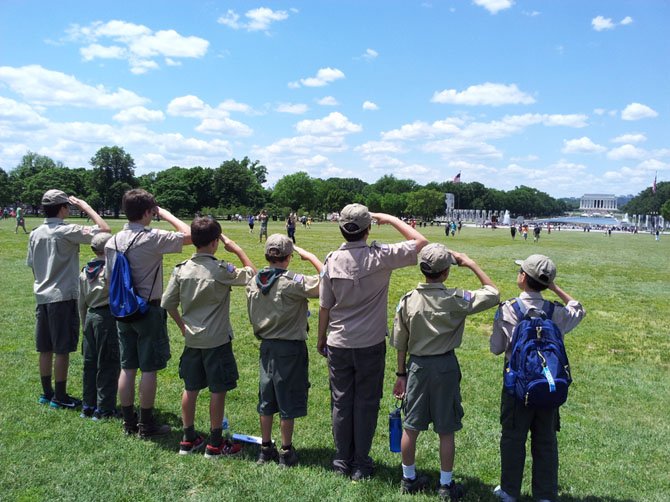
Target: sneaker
(87, 412)
(188, 447)
(288, 458)
(43, 399)
(152, 430)
(104, 415)
(342, 471)
(418, 484)
(503, 495)
(361, 475)
(452, 491)
(267, 454)
(69, 403)
(226, 449)
(130, 427)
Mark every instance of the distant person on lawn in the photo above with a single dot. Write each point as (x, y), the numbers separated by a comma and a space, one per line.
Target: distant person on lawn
(537, 274)
(202, 286)
(277, 301)
(144, 342)
(53, 255)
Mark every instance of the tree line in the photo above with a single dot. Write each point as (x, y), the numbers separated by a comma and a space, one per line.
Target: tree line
(236, 187)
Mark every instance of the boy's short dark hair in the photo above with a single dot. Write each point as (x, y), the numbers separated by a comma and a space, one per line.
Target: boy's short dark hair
(432, 275)
(51, 211)
(358, 236)
(272, 258)
(534, 285)
(136, 202)
(204, 230)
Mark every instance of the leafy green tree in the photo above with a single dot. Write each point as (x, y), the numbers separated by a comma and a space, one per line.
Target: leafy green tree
(31, 164)
(665, 210)
(52, 177)
(114, 174)
(425, 204)
(335, 193)
(6, 192)
(236, 185)
(390, 184)
(394, 203)
(295, 191)
(647, 202)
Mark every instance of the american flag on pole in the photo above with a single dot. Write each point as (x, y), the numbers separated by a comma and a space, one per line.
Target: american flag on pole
(653, 187)
(457, 178)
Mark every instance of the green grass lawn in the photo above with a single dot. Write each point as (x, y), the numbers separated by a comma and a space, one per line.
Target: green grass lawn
(615, 436)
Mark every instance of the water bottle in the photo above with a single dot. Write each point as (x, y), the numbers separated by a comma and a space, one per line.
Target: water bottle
(225, 426)
(395, 430)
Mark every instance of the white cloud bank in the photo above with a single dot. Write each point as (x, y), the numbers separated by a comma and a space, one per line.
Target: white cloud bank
(637, 111)
(257, 19)
(601, 23)
(494, 6)
(322, 78)
(484, 94)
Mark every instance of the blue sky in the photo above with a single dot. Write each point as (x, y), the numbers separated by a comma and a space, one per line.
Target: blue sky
(566, 96)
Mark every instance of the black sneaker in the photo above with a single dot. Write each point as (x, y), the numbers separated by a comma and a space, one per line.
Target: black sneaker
(361, 475)
(452, 491)
(130, 427)
(107, 414)
(87, 412)
(418, 484)
(152, 430)
(267, 454)
(188, 447)
(44, 399)
(69, 403)
(288, 458)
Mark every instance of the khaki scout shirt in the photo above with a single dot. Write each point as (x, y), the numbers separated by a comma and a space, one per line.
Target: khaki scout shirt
(281, 314)
(145, 256)
(202, 286)
(354, 286)
(92, 294)
(430, 319)
(566, 318)
(53, 254)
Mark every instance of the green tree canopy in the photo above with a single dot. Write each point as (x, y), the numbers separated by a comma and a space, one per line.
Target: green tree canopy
(295, 191)
(425, 203)
(648, 202)
(114, 173)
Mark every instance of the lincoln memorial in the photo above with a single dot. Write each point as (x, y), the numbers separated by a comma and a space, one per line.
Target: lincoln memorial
(598, 202)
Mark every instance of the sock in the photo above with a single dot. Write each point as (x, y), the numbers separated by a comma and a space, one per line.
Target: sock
(216, 437)
(146, 415)
(409, 471)
(46, 386)
(61, 393)
(445, 477)
(287, 447)
(189, 433)
(266, 444)
(128, 413)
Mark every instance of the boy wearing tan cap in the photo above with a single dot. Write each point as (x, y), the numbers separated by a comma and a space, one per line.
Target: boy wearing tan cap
(429, 325)
(536, 274)
(277, 301)
(53, 255)
(353, 328)
(202, 286)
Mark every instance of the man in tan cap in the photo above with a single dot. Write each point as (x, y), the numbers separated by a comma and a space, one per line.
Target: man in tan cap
(536, 274)
(353, 329)
(428, 325)
(277, 301)
(53, 255)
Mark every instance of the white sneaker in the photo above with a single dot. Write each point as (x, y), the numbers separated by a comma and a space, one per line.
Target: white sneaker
(503, 495)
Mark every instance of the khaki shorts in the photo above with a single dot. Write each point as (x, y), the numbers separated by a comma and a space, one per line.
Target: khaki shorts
(433, 394)
(214, 368)
(57, 327)
(283, 378)
(144, 343)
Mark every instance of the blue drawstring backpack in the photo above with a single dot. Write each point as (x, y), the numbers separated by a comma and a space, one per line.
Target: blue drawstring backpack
(538, 371)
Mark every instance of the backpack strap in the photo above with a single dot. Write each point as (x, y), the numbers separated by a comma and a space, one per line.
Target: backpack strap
(519, 308)
(548, 308)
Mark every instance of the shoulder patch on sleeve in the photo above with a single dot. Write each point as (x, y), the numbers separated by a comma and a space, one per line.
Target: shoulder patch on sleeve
(299, 278)
(467, 296)
(379, 245)
(228, 266)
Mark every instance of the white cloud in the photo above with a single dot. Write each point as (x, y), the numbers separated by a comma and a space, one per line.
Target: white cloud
(225, 126)
(294, 108)
(230, 105)
(313, 161)
(531, 13)
(258, 19)
(15, 115)
(630, 138)
(458, 147)
(139, 114)
(213, 120)
(323, 77)
(494, 6)
(333, 124)
(637, 111)
(136, 43)
(187, 106)
(328, 101)
(51, 88)
(601, 23)
(582, 145)
(484, 94)
(370, 54)
(372, 147)
(369, 105)
(626, 152)
(626, 21)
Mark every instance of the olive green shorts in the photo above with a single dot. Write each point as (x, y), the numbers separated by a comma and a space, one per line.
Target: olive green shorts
(144, 343)
(433, 394)
(214, 368)
(283, 378)
(57, 327)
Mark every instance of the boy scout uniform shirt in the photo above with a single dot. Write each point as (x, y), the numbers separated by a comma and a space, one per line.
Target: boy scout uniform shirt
(145, 256)
(281, 314)
(566, 318)
(92, 294)
(430, 319)
(354, 287)
(202, 286)
(53, 254)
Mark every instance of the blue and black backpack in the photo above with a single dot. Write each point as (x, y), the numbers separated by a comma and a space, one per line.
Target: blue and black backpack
(124, 302)
(538, 371)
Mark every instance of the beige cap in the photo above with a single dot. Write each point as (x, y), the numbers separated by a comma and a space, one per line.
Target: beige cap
(278, 245)
(435, 258)
(98, 242)
(354, 218)
(54, 197)
(539, 267)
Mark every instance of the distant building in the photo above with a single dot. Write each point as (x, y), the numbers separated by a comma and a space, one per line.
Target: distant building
(598, 202)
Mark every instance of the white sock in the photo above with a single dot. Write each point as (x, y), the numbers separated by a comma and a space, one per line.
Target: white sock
(409, 471)
(445, 477)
